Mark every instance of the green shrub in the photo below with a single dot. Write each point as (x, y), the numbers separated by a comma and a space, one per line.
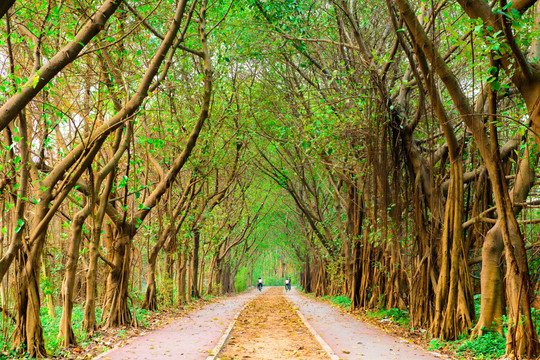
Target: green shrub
(491, 345)
(535, 314)
(477, 299)
(436, 344)
(397, 315)
(341, 301)
(142, 317)
(6, 328)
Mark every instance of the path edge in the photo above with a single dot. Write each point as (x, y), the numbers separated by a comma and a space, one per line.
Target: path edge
(221, 343)
(323, 343)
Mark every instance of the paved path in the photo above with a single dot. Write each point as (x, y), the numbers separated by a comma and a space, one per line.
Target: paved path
(189, 337)
(351, 338)
(194, 335)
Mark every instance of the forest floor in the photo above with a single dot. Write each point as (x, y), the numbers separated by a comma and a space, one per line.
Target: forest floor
(268, 326)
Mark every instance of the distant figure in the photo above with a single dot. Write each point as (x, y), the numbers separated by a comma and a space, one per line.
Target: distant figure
(290, 283)
(287, 284)
(259, 284)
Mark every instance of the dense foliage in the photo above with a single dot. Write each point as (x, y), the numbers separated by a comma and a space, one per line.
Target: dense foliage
(380, 153)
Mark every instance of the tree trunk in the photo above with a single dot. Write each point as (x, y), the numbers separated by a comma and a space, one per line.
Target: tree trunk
(491, 303)
(194, 291)
(66, 330)
(200, 284)
(355, 217)
(491, 306)
(454, 304)
(522, 337)
(181, 285)
(181, 278)
(211, 274)
(150, 295)
(225, 278)
(306, 278)
(28, 331)
(116, 297)
(453, 296)
(356, 275)
(89, 323)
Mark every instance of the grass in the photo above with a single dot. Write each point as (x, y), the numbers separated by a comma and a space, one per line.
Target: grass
(341, 301)
(50, 325)
(491, 345)
(400, 317)
(437, 344)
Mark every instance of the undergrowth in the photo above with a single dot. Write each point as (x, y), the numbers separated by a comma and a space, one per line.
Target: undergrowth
(341, 301)
(51, 325)
(490, 345)
(400, 317)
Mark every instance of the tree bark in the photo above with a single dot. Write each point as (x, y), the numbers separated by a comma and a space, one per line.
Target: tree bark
(181, 278)
(116, 294)
(64, 57)
(521, 338)
(77, 223)
(194, 291)
(28, 329)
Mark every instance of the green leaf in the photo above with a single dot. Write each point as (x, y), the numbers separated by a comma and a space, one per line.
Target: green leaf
(507, 6)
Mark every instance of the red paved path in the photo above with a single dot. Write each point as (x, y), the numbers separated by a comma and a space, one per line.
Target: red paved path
(189, 337)
(342, 332)
(193, 336)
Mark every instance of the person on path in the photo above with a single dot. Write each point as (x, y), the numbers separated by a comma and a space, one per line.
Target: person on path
(287, 284)
(259, 284)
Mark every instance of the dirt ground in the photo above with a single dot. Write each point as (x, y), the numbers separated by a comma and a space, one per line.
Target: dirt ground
(269, 328)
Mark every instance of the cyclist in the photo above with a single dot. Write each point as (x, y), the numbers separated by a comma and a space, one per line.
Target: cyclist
(259, 284)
